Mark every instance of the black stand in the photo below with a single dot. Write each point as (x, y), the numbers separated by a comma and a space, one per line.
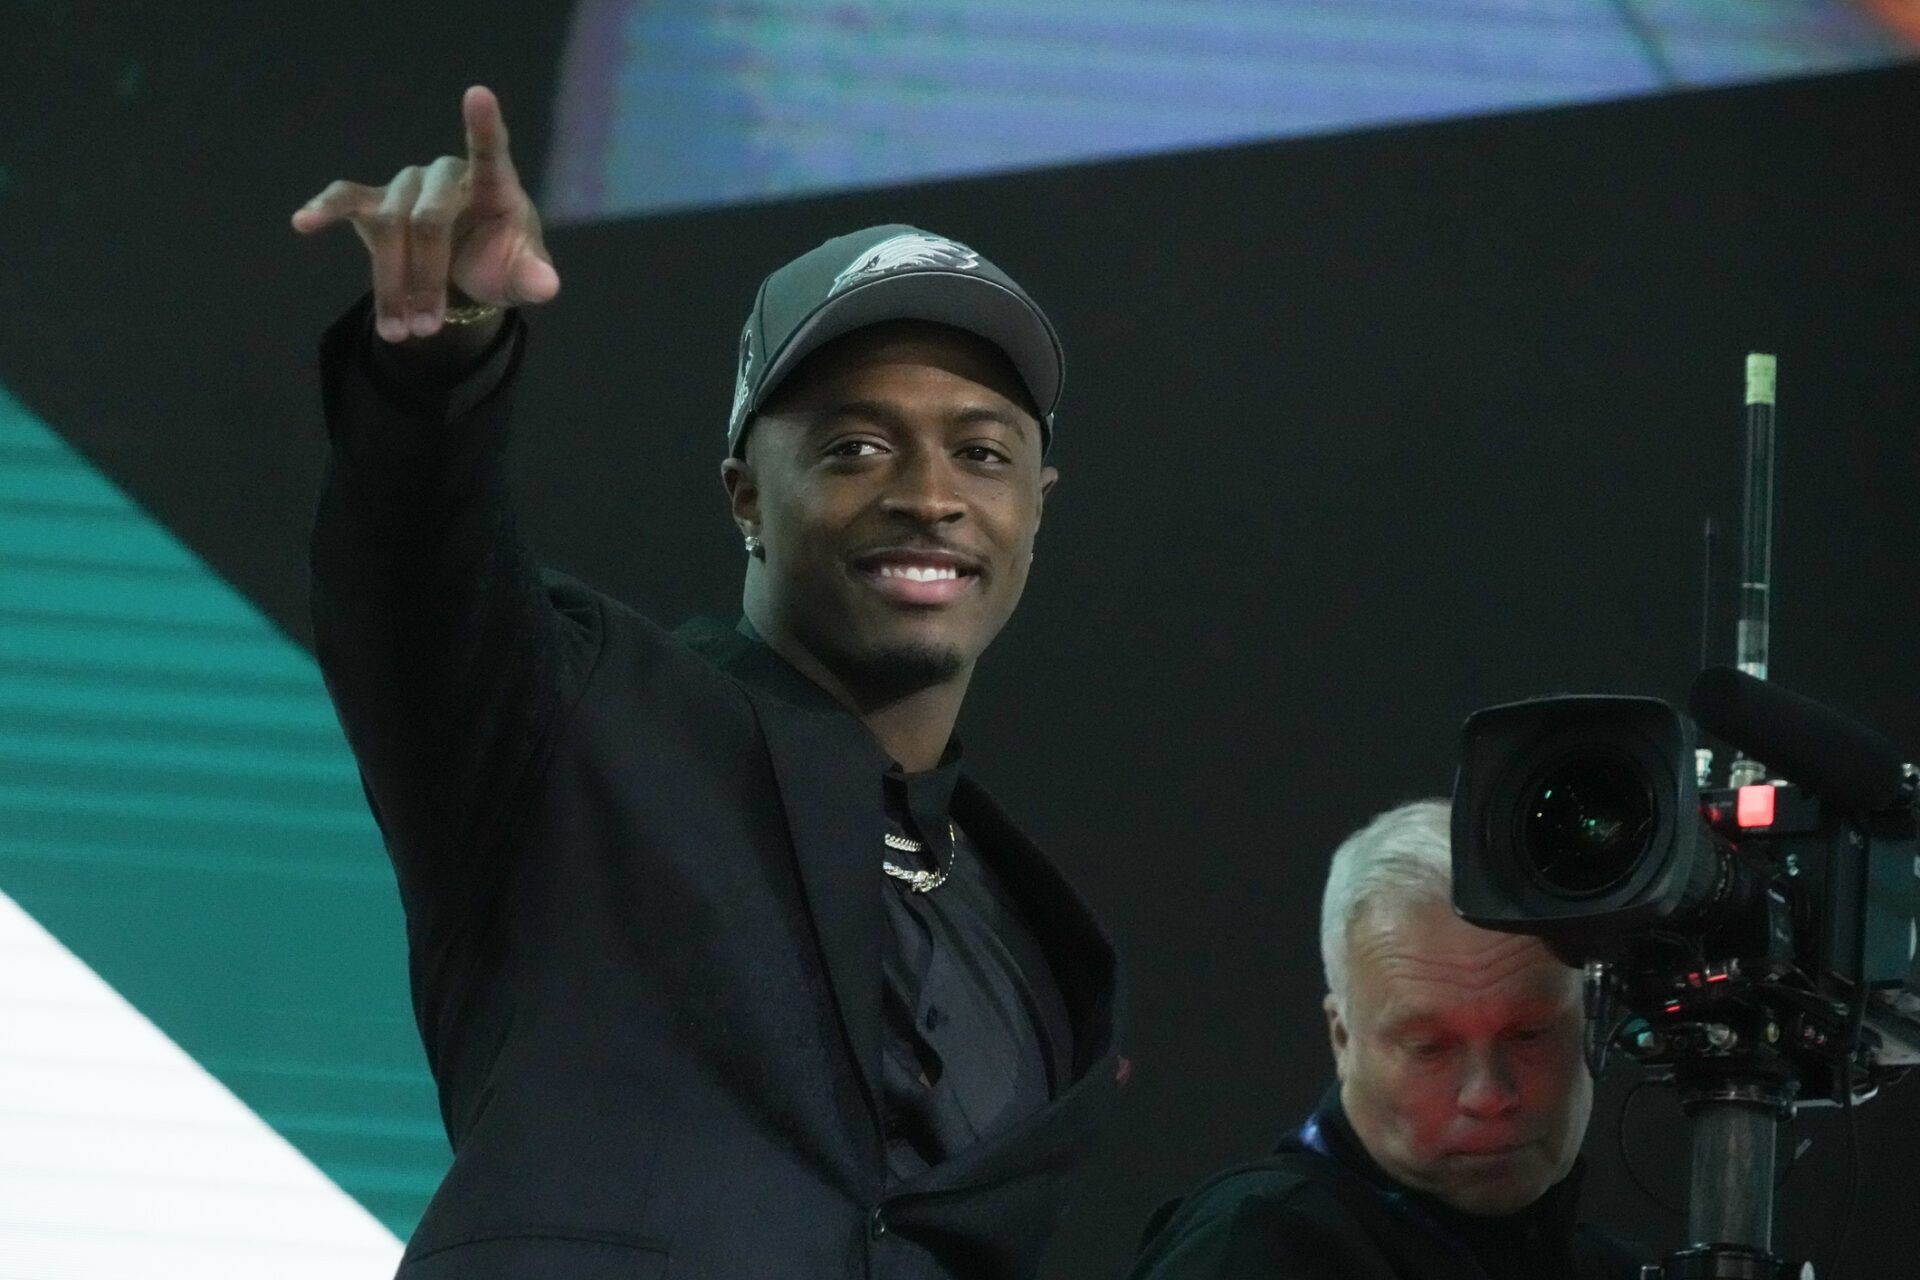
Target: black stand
(1735, 1121)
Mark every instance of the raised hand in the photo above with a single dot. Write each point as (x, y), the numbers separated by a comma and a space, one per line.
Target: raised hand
(465, 223)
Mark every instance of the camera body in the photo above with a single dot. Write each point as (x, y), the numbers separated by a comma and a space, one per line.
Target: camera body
(1764, 925)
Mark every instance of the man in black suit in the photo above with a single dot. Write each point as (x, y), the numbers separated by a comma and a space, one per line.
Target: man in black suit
(723, 966)
(1449, 1148)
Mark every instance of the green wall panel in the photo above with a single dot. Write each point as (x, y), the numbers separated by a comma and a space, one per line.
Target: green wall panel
(178, 807)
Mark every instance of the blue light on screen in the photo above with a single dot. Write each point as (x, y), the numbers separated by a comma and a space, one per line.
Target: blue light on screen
(684, 103)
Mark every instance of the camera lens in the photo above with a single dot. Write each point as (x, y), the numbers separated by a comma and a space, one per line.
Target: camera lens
(1586, 821)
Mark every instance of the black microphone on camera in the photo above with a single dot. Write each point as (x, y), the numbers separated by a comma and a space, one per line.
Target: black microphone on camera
(1838, 758)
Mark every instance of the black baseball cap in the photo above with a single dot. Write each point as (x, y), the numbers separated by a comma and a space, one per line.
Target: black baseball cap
(893, 272)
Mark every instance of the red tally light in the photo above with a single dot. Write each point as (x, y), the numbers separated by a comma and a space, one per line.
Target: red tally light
(1756, 806)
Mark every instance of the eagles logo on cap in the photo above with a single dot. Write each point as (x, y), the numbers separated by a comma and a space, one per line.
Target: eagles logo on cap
(743, 385)
(878, 274)
(914, 251)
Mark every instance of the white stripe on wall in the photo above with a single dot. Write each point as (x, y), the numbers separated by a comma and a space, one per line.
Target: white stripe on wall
(120, 1156)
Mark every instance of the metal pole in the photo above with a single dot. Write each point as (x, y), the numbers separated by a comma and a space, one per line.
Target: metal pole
(1732, 1185)
(1752, 639)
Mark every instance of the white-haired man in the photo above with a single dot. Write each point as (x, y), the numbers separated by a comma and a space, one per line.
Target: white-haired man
(1449, 1148)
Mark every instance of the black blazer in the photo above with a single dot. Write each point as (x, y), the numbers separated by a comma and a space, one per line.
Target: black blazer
(643, 901)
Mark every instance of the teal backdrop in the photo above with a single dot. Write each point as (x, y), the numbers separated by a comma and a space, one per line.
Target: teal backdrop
(178, 807)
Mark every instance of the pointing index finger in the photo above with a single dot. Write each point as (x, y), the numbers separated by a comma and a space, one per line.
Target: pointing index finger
(490, 165)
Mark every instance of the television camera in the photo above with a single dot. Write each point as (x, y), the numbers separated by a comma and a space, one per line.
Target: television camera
(1753, 943)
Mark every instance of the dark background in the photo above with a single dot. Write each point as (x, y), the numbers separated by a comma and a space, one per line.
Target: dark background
(1360, 433)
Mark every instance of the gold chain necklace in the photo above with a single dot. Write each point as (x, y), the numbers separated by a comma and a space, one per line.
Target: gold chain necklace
(921, 881)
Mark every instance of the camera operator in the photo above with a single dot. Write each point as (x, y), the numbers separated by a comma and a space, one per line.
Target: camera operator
(1449, 1148)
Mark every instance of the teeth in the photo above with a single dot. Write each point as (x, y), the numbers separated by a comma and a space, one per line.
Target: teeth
(916, 573)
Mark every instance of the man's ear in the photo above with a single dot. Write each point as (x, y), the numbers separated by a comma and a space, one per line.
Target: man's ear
(1337, 1035)
(1049, 477)
(743, 494)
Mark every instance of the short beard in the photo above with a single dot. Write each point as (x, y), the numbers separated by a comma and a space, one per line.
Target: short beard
(895, 671)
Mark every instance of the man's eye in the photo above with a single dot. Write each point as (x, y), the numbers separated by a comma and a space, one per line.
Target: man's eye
(852, 449)
(1426, 1050)
(983, 453)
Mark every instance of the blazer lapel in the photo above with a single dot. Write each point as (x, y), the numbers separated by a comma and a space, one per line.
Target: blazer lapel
(1085, 962)
(830, 786)
(828, 766)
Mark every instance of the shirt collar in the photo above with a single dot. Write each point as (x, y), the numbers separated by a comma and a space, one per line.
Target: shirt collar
(759, 663)
(930, 791)
(741, 650)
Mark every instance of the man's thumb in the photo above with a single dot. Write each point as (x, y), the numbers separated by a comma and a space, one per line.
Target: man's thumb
(534, 279)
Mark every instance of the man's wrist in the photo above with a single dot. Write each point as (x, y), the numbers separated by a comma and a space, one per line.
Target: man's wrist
(457, 348)
(432, 377)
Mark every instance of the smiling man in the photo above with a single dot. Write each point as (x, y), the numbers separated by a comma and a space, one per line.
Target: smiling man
(723, 965)
(1449, 1148)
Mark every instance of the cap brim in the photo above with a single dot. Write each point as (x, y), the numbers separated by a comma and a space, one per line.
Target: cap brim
(974, 303)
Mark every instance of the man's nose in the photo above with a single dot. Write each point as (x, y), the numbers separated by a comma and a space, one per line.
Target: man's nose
(1488, 1087)
(924, 487)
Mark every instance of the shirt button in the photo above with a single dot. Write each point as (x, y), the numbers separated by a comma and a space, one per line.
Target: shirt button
(877, 1223)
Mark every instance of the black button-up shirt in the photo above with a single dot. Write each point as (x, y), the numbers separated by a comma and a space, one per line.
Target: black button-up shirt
(977, 1034)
